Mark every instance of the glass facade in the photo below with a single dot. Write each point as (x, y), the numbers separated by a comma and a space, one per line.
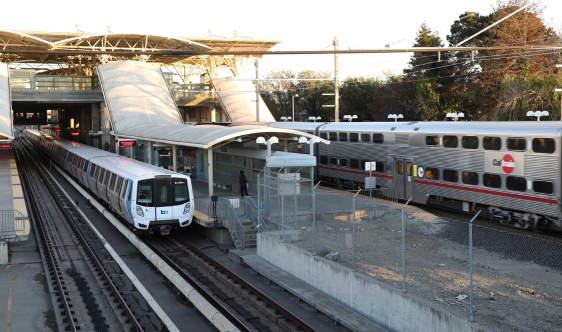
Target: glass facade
(228, 167)
(27, 79)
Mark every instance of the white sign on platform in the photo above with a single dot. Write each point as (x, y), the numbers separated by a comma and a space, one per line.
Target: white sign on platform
(371, 166)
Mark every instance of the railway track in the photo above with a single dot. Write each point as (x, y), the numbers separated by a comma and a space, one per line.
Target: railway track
(88, 289)
(245, 305)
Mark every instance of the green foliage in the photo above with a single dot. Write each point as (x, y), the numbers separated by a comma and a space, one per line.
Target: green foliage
(323, 252)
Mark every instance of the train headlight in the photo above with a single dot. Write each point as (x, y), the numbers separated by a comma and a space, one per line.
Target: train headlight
(186, 208)
(139, 211)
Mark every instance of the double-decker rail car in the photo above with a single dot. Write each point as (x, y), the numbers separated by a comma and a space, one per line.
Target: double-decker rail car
(150, 199)
(512, 168)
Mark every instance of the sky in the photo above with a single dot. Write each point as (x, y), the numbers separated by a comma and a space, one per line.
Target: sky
(299, 25)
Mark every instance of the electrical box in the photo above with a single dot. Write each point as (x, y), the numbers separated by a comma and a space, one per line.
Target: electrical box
(370, 183)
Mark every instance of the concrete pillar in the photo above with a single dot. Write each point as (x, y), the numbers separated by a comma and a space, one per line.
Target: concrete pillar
(150, 148)
(210, 170)
(4, 253)
(105, 124)
(175, 158)
(285, 146)
(117, 145)
(132, 152)
(96, 117)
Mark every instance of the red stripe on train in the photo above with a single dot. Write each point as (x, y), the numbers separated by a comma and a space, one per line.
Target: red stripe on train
(357, 172)
(484, 191)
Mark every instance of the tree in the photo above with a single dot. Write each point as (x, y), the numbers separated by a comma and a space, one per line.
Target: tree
(356, 95)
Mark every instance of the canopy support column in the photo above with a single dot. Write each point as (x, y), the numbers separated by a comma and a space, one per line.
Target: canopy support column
(210, 170)
(150, 152)
(175, 158)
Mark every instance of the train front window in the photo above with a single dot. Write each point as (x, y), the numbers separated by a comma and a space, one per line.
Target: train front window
(145, 192)
(181, 194)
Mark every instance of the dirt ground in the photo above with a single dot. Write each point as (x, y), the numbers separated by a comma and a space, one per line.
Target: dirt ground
(511, 291)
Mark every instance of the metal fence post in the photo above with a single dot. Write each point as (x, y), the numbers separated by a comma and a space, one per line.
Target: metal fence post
(404, 249)
(314, 216)
(295, 185)
(283, 213)
(358, 191)
(470, 258)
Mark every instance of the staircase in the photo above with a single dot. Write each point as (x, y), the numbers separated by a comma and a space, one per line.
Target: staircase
(250, 233)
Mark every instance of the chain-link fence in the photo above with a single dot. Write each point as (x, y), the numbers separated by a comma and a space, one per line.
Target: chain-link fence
(512, 278)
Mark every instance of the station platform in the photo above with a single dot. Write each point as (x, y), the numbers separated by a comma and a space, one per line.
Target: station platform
(14, 221)
(201, 196)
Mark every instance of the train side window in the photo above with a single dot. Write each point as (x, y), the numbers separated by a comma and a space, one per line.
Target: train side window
(400, 167)
(92, 170)
(118, 187)
(354, 137)
(102, 173)
(470, 178)
(130, 192)
(543, 187)
(450, 175)
(492, 180)
(378, 138)
(125, 189)
(516, 183)
(362, 164)
(543, 145)
(343, 162)
(450, 141)
(432, 140)
(432, 173)
(333, 136)
(324, 160)
(379, 167)
(516, 144)
(354, 163)
(334, 161)
(323, 135)
(343, 137)
(112, 182)
(470, 142)
(492, 143)
(86, 163)
(365, 138)
(108, 175)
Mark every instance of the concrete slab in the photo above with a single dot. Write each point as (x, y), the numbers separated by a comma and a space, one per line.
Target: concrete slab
(323, 303)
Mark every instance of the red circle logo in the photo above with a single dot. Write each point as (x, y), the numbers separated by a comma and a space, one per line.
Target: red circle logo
(508, 164)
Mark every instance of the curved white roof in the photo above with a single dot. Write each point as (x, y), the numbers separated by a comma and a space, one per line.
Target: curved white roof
(205, 136)
(6, 127)
(239, 101)
(137, 94)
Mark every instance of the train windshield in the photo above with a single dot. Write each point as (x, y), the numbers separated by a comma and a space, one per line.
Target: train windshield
(160, 192)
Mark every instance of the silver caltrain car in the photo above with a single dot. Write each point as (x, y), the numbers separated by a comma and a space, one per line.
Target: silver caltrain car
(511, 168)
(150, 199)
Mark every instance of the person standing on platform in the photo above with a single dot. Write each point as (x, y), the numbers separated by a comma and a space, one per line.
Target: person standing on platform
(243, 181)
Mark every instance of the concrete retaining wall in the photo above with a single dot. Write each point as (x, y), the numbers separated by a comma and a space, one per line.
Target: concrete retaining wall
(384, 305)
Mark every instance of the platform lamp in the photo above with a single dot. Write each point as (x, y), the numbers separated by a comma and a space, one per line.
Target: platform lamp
(284, 118)
(455, 116)
(304, 140)
(538, 114)
(269, 142)
(395, 117)
(314, 118)
(349, 117)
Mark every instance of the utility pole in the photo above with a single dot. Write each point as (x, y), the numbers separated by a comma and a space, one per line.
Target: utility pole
(257, 94)
(336, 84)
(560, 90)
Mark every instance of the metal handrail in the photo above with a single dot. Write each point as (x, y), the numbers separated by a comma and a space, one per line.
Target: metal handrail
(11, 221)
(229, 214)
(251, 212)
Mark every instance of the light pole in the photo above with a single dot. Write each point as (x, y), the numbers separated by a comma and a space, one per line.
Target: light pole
(284, 118)
(293, 97)
(538, 114)
(395, 117)
(455, 116)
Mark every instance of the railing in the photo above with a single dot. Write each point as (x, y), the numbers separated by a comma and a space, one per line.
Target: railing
(230, 217)
(11, 221)
(251, 212)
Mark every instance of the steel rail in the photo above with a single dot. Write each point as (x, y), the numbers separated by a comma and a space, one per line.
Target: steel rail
(211, 299)
(86, 246)
(33, 201)
(253, 289)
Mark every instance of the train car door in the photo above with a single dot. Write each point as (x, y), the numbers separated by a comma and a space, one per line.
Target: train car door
(164, 197)
(404, 178)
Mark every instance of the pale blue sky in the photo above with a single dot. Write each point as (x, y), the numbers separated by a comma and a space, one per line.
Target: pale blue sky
(300, 25)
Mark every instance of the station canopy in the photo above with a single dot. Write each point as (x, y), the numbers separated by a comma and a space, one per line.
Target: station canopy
(208, 136)
(184, 65)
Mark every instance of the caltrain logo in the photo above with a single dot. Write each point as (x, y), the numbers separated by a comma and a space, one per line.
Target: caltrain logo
(507, 163)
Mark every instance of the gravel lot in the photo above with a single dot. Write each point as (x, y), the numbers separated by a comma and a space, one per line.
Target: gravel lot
(517, 279)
